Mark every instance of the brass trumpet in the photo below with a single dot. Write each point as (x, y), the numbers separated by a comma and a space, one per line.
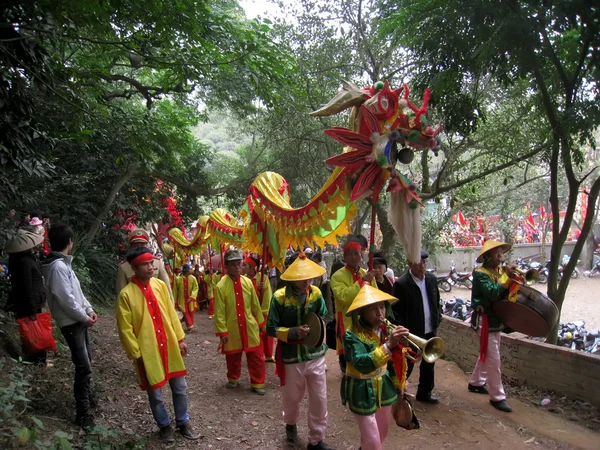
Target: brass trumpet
(530, 276)
(430, 349)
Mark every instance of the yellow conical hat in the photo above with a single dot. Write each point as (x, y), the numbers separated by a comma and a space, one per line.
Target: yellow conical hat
(369, 295)
(489, 245)
(303, 269)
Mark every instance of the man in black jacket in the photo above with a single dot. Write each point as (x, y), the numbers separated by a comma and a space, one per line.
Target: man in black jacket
(418, 309)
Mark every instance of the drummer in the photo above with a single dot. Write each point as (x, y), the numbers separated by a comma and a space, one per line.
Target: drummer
(300, 368)
(490, 283)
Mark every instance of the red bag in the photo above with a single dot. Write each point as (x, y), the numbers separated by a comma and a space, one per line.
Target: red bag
(36, 335)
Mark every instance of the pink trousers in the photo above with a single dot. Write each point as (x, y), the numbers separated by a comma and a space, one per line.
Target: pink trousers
(308, 376)
(374, 428)
(490, 372)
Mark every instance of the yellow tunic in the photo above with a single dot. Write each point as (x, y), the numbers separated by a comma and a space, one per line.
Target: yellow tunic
(344, 289)
(179, 292)
(140, 337)
(240, 321)
(265, 301)
(211, 282)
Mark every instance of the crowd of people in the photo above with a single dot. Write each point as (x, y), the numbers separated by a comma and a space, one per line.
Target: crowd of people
(251, 310)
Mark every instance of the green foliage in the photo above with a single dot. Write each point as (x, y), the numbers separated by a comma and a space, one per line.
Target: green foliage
(19, 428)
(96, 270)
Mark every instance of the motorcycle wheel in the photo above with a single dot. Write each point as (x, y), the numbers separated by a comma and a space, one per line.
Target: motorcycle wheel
(444, 285)
(543, 279)
(468, 284)
(575, 274)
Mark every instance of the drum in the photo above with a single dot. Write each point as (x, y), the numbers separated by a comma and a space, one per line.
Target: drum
(533, 314)
(316, 334)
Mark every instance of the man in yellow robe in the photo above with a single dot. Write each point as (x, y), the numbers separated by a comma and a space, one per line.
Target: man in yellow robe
(139, 238)
(261, 283)
(238, 322)
(211, 278)
(185, 291)
(152, 337)
(345, 284)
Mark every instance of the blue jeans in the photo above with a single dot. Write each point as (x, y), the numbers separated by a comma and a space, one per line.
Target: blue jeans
(78, 339)
(179, 391)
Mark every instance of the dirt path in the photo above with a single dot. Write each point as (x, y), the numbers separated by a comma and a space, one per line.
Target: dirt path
(242, 420)
(581, 302)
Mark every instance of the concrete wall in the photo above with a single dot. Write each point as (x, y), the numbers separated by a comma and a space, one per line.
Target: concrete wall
(464, 257)
(542, 366)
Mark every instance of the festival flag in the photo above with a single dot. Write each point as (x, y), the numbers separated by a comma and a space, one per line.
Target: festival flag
(531, 221)
(460, 219)
(543, 215)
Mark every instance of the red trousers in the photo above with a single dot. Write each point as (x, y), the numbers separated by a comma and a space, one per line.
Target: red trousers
(188, 316)
(256, 367)
(211, 307)
(267, 345)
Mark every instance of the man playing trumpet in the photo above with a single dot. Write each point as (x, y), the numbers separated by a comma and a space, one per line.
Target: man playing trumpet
(370, 384)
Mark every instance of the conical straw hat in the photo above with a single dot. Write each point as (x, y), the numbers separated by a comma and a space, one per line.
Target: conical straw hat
(368, 295)
(302, 269)
(24, 240)
(489, 245)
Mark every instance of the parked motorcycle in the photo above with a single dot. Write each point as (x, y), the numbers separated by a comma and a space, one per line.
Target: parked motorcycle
(442, 280)
(595, 268)
(544, 271)
(460, 278)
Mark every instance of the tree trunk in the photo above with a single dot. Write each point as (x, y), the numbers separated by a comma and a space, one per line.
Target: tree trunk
(425, 186)
(110, 199)
(387, 231)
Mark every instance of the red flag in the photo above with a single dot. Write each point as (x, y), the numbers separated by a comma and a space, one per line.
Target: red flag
(460, 218)
(531, 221)
(543, 212)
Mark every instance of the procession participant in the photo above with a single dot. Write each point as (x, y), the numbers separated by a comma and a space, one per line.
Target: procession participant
(152, 337)
(345, 284)
(261, 283)
(490, 283)
(300, 368)
(170, 274)
(211, 279)
(186, 293)
(419, 309)
(238, 322)
(384, 283)
(138, 238)
(370, 384)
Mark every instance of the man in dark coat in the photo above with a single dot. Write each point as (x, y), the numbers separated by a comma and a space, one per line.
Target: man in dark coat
(419, 310)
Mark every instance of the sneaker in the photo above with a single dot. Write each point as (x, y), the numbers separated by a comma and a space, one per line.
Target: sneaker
(232, 385)
(291, 432)
(478, 389)
(188, 432)
(210, 317)
(259, 391)
(166, 434)
(501, 405)
(320, 446)
(86, 422)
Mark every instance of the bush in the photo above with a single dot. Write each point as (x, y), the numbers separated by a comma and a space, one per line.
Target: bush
(96, 270)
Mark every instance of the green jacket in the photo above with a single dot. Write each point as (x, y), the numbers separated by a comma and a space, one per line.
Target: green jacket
(489, 287)
(287, 312)
(370, 381)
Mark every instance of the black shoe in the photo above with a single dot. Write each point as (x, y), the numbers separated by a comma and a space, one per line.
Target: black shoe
(291, 433)
(501, 405)
(320, 446)
(166, 434)
(188, 432)
(86, 422)
(427, 398)
(478, 389)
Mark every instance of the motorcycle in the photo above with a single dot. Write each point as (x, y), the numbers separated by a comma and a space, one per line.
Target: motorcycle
(460, 278)
(544, 271)
(595, 268)
(442, 280)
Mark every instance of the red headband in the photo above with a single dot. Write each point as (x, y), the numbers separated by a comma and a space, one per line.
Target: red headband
(138, 237)
(251, 262)
(143, 258)
(352, 245)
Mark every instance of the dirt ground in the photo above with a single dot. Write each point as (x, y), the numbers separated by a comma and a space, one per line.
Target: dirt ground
(243, 420)
(582, 301)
